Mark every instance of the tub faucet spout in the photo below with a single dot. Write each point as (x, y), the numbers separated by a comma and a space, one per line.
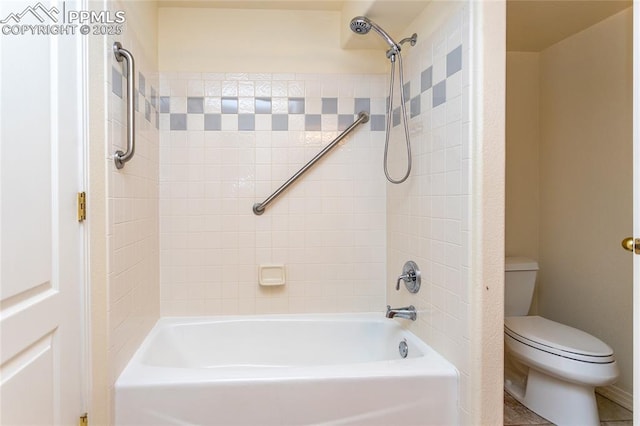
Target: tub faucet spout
(408, 312)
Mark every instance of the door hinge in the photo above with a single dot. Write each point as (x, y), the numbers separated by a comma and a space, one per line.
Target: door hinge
(82, 206)
(84, 420)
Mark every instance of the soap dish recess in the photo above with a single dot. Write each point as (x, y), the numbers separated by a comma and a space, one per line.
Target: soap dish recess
(270, 275)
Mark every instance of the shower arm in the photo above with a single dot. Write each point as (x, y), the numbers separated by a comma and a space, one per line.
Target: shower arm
(258, 208)
(395, 48)
(412, 40)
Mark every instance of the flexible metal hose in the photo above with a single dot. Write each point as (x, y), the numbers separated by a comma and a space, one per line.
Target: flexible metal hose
(390, 117)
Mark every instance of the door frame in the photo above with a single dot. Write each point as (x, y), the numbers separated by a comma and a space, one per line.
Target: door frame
(636, 209)
(83, 162)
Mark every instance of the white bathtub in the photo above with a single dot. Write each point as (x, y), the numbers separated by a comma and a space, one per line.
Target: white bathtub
(341, 369)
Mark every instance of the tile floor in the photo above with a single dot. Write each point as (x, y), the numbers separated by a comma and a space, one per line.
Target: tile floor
(611, 414)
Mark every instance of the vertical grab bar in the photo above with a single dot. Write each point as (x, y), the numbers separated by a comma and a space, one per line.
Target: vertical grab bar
(120, 158)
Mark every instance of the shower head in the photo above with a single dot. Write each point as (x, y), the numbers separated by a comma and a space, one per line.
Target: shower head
(362, 25)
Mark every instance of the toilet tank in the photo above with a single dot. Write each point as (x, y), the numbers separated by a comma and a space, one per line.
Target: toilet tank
(519, 283)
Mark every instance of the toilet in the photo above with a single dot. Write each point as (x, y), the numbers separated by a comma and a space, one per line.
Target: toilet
(551, 368)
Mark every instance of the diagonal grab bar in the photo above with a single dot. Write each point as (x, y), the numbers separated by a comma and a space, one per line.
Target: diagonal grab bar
(120, 158)
(258, 208)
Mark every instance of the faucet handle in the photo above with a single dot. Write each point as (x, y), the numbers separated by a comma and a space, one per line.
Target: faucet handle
(400, 278)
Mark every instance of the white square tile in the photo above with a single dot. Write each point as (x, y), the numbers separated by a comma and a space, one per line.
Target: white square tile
(195, 121)
(229, 122)
(212, 88)
(195, 88)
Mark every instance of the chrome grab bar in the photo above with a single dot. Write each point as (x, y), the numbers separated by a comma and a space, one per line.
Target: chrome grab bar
(258, 208)
(120, 158)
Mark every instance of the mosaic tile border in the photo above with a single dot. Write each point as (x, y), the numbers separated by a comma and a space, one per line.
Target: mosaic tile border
(259, 113)
(284, 113)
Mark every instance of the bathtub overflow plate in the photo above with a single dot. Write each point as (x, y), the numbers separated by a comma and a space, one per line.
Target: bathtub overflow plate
(403, 348)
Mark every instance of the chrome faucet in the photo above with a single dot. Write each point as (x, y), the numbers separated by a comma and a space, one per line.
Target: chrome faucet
(408, 312)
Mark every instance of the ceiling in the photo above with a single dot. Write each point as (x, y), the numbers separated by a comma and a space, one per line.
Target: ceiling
(534, 25)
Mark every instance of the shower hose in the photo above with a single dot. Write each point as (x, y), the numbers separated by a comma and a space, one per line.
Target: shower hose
(392, 57)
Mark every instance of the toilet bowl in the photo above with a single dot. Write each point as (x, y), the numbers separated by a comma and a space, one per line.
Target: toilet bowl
(551, 368)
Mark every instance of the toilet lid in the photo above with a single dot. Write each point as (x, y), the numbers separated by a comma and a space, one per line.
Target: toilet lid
(558, 339)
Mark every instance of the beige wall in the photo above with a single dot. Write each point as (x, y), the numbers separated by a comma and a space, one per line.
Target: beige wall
(569, 180)
(585, 184)
(522, 133)
(258, 41)
(487, 215)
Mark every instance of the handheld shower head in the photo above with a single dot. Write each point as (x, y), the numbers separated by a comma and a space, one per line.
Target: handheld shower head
(362, 25)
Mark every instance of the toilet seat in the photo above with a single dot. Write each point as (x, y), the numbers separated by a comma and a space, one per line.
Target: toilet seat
(558, 339)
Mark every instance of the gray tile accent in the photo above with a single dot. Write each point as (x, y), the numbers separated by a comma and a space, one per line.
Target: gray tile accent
(396, 117)
(165, 104)
(116, 82)
(246, 122)
(157, 119)
(362, 104)
(263, 106)
(426, 79)
(415, 106)
(178, 121)
(136, 101)
(344, 121)
(378, 122)
(312, 122)
(329, 105)
(279, 122)
(296, 105)
(141, 84)
(406, 90)
(147, 110)
(230, 105)
(154, 97)
(195, 105)
(454, 61)
(212, 122)
(440, 93)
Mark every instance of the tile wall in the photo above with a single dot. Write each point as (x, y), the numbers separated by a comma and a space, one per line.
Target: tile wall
(132, 216)
(228, 141)
(428, 216)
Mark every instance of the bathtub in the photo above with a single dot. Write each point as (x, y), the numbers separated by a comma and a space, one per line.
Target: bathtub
(343, 369)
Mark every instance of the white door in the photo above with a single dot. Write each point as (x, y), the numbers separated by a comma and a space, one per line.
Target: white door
(41, 240)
